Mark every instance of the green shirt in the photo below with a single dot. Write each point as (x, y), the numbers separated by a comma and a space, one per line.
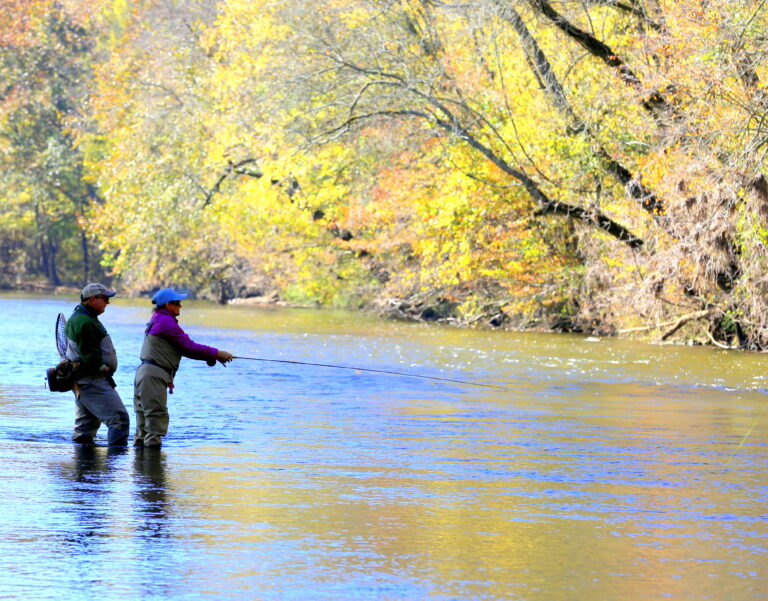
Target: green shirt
(88, 341)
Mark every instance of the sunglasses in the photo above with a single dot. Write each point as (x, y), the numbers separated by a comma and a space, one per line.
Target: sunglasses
(177, 303)
(106, 298)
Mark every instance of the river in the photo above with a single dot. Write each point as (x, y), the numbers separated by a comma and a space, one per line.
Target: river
(606, 469)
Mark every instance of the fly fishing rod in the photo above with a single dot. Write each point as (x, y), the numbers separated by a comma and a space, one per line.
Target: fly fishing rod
(377, 371)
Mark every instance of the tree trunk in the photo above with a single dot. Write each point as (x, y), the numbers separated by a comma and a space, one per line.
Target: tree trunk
(86, 258)
(54, 274)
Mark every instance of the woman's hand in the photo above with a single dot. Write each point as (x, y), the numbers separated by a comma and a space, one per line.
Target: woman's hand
(224, 357)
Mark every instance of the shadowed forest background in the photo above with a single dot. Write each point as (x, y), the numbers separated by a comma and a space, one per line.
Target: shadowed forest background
(585, 165)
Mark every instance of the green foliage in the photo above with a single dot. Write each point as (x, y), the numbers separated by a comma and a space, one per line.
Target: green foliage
(44, 69)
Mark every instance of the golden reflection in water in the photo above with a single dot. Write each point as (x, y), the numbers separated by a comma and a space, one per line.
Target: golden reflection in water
(631, 507)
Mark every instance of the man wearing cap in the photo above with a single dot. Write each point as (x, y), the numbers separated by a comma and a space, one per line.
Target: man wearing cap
(90, 346)
(165, 343)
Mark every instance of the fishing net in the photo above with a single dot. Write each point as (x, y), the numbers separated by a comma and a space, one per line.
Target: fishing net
(61, 335)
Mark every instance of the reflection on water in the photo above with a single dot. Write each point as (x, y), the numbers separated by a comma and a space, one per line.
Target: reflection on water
(151, 493)
(611, 471)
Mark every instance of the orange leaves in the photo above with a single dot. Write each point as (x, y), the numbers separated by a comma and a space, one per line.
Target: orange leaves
(17, 22)
(22, 21)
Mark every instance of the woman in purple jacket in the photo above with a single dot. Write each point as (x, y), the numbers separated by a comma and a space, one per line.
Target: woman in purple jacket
(165, 343)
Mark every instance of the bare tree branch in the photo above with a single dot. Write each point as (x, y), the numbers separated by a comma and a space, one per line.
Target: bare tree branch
(546, 204)
(599, 49)
(544, 71)
(232, 169)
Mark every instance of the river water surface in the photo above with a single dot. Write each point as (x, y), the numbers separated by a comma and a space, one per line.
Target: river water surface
(609, 470)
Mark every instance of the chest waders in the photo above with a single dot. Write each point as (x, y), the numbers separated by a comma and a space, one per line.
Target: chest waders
(159, 363)
(96, 397)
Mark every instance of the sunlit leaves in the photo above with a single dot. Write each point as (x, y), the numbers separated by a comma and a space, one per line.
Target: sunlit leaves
(354, 151)
(45, 61)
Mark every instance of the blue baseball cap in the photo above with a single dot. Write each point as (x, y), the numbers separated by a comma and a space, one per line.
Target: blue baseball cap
(166, 295)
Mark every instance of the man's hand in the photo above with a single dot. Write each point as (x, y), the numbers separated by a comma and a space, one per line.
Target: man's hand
(105, 370)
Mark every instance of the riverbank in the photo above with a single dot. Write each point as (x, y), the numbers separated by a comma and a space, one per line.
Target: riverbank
(41, 288)
(691, 329)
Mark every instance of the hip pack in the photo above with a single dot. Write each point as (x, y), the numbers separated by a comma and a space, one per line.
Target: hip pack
(62, 377)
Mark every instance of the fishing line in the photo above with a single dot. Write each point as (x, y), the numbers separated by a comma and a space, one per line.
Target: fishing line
(743, 440)
(378, 371)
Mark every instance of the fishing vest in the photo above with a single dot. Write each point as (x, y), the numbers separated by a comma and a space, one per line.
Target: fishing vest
(156, 350)
(73, 352)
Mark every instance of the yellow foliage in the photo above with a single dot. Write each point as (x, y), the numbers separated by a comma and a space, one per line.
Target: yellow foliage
(375, 149)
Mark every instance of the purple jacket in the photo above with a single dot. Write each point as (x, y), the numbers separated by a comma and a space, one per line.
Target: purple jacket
(164, 324)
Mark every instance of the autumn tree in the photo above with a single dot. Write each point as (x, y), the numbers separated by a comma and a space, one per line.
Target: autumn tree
(145, 153)
(624, 119)
(45, 54)
(403, 72)
(593, 164)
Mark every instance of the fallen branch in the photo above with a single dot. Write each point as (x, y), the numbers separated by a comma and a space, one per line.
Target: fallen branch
(675, 323)
(720, 344)
(684, 320)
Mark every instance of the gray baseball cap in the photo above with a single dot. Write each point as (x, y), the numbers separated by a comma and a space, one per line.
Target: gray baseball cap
(94, 289)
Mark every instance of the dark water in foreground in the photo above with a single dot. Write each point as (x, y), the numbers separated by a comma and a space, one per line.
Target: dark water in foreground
(611, 470)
